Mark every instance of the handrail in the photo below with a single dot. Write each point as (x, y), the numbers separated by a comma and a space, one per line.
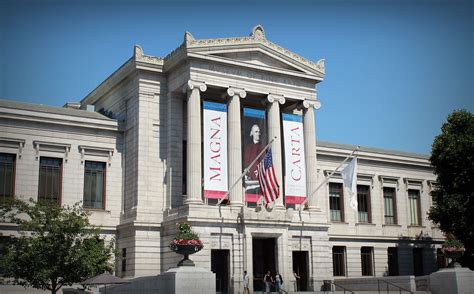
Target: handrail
(336, 285)
(400, 289)
(281, 289)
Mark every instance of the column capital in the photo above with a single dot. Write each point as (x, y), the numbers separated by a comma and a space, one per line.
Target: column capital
(231, 91)
(190, 85)
(276, 98)
(312, 103)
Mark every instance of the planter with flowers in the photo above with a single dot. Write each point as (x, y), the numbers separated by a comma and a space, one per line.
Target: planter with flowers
(186, 242)
(453, 249)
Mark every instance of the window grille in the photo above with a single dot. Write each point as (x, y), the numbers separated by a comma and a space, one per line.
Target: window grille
(94, 185)
(339, 260)
(390, 208)
(414, 207)
(7, 176)
(363, 204)
(50, 179)
(336, 202)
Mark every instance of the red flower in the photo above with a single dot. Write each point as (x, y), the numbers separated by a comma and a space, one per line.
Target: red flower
(186, 242)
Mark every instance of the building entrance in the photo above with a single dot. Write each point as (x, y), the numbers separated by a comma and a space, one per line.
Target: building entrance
(300, 268)
(264, 259)
(220, 266)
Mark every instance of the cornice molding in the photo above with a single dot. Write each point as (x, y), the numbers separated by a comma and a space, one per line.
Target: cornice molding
(257, 37)
(140, 56)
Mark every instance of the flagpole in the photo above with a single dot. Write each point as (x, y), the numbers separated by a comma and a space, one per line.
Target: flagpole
(329, 176)
(246, 170)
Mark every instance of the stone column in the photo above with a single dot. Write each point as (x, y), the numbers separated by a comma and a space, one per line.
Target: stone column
(193, 152)
(235, 144)
(309, 134)
(274, 130)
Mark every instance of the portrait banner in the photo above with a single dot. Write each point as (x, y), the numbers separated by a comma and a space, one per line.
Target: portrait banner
(295, 168)
(215, 149)
(254, 140)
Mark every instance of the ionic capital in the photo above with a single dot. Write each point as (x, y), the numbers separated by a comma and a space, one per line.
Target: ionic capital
(231, 91)
(276, 98)
(312, 103)
(201, 86)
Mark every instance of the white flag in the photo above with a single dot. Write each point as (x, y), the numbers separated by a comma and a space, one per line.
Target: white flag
(349, 177)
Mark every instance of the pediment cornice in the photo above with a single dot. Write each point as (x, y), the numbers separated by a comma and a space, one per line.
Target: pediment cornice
(255, 40)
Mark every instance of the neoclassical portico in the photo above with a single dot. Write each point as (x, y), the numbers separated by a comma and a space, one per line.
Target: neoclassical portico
(232, 97)
(253, 81)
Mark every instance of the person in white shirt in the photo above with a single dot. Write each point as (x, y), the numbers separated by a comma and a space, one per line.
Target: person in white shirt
(246, 283)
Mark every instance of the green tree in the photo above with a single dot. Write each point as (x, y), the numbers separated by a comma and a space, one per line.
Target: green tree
(57, 246)
(452, 158)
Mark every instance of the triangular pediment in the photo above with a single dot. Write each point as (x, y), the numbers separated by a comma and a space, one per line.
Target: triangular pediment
(254, 51)
(258, 58)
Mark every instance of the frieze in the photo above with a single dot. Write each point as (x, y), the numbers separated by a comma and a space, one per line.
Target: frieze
(252, 75)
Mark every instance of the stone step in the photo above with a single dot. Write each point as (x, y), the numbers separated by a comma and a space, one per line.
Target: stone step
(361, 292)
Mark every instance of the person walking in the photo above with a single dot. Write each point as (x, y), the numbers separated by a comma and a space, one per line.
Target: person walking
(246, 283)
(268, 281)
(278, 282)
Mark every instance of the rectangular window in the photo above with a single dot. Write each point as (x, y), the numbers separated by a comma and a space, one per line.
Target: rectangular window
(414, 207)
(392, 254)
(50, 179)
(367, 260)
(336, 202)
(7, 176)
(94, 185)
(124, 261)
(363, 204)
(390, 206)
(339, 261)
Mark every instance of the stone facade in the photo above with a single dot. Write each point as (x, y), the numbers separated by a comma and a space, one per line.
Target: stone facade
(148, 113)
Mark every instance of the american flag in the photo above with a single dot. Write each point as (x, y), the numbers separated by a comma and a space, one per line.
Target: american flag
(267, 178)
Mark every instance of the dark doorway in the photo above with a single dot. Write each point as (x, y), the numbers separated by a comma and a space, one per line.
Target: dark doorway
(220, 266)
(418, 261)
(264, 259)
(392, 253)
(300, 267)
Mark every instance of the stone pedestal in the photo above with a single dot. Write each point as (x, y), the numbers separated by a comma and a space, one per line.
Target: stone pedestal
(452, 280)
(187, 279)
(180, 280)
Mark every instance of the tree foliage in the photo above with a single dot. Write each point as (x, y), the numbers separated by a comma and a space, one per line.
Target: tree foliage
(452, 158)
(56, 246)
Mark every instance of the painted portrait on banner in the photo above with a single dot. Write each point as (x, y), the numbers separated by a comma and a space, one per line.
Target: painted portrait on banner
(254, 139)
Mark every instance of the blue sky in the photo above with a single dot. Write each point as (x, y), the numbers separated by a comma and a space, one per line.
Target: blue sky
(394, 69)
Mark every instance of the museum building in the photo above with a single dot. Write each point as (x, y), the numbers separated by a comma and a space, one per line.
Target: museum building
(161, 140)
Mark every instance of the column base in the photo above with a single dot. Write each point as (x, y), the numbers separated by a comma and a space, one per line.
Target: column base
(314, 209)
(280, 207)
(193, 201)
(236, 204)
